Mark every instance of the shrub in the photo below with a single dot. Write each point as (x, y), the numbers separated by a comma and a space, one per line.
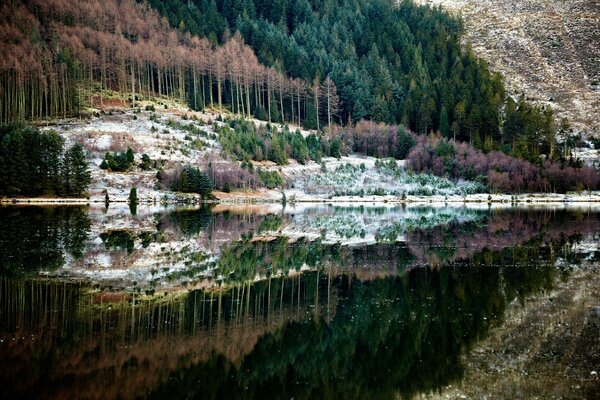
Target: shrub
(118, 161)
(270, 179)
(146, 162)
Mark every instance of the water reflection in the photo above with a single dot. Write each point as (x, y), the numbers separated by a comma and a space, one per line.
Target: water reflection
(40, 238)
(270, 311)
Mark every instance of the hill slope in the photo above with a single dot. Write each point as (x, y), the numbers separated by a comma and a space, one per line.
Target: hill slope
(547, 49)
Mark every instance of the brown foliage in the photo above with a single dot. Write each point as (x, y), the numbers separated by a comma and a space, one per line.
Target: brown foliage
(122, 45)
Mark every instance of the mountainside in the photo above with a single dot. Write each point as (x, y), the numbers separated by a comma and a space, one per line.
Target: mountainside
(547, 49)
(180, 83)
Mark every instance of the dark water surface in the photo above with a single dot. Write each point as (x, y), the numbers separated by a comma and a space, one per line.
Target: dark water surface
(264, 302)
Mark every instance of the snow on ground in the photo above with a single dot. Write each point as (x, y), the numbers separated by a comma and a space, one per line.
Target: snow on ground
(175, 137)
(165, 136)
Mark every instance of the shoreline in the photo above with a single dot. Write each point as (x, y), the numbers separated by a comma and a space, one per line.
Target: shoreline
(296, 198)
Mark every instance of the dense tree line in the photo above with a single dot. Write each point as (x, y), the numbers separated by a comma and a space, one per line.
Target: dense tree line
(35, 163)
(432, 154)
(500, 172)
(34, 239)
(58, 56)
(387, 61)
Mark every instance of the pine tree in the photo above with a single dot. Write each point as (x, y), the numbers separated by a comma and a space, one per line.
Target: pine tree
(78, 176)
(205, 186)
(133, 199)
(130, 157)
(444, 123)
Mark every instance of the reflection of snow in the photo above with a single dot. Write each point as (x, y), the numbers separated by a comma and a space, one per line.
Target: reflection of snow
(365, 225)
(171, 258)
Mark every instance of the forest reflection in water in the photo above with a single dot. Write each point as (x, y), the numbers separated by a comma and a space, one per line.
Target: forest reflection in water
(262, 311)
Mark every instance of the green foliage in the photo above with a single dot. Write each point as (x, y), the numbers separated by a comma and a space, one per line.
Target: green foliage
(32, 163)
(133, 199)
(405, 143)
(36, 238)
(118, 240)
(530, 131)
(192, 180)
(76, 175)
(335, 149)
(445, 149)
(146, 162)
(130, 157)
(315, 150)
(393, 62)
(270, 179)
(247, 142)
(118, 161)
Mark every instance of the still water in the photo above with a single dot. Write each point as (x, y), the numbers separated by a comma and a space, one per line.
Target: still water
(265, 302)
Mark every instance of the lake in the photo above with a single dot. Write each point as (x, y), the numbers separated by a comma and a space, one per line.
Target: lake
(303, 302)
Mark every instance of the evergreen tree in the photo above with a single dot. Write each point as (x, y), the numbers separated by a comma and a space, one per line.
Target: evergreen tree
(205, 185)
(444, 123)
(78, 176)
(133, 195)
(130, 157)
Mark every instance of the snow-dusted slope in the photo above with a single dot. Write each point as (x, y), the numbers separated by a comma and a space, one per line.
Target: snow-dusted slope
(547, 49)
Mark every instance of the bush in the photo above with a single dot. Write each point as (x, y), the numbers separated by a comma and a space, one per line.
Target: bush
(118, 161)
(146, 162)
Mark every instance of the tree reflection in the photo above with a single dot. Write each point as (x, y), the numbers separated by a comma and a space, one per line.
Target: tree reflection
(36, 238)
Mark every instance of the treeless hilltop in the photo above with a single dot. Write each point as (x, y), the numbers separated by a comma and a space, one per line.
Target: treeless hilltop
(547, 49)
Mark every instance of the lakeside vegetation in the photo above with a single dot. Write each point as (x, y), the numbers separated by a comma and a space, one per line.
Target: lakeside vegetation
(381, 79)
(34, 163)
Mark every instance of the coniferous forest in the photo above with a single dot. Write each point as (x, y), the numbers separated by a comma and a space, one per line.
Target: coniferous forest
(313, 63)
(326, 66)
(393, 62)
(35, 163)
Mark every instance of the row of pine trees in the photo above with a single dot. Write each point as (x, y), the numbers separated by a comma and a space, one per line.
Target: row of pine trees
(36, 164)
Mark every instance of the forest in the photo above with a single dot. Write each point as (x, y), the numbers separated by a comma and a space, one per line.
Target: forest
(300, 62)
(61, 56)
(35, 163)
(382, 60)
(375, 78)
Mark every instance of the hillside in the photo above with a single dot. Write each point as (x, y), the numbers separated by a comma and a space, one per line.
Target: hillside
(547, 49)
(310, 101)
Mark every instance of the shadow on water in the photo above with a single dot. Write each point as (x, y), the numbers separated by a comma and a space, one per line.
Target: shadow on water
(39, 238)
(374, 320)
